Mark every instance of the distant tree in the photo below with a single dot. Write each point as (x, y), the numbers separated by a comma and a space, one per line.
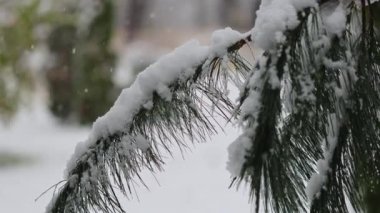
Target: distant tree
(80, 82)
(309, 109)
(59, 76)
(19, 39)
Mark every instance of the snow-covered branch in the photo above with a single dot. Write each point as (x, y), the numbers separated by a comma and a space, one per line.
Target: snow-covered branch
(161, 108)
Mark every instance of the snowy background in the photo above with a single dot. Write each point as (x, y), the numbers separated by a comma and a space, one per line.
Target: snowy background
(35, 146)
(195, 183)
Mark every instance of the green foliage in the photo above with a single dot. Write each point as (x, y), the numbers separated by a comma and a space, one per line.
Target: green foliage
(285, 149)
(313, 106)
(167, 123)
(18, 38)
(80, 79)
(80, 82)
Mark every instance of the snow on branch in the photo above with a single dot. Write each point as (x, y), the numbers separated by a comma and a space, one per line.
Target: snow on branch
(163, 107)
(276, 23)
(274, 18)
(279, 147)
(317, 63)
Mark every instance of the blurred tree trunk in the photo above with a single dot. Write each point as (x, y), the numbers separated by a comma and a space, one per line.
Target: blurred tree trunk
(80, 83)
(60, 76)
(135, 13)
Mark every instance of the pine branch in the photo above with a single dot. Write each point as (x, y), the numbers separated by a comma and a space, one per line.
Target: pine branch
(119, 148)
(315, 87)
(355, 159)
(283, 134)
(332, 197)
(273, 162)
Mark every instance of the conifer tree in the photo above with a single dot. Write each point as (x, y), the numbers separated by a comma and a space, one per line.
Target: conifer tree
(80, 83)
(309, 109)
(20, 38)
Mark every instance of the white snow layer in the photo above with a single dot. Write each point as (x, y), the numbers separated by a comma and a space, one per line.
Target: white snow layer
(317, 180)
(334, 18)
(274, 17)
(236, 154)
(177, 65)
(222, 39)
(250, 108)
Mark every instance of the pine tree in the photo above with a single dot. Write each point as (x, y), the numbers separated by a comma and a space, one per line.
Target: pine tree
(80, 84)
(20, 38)
(309, 109)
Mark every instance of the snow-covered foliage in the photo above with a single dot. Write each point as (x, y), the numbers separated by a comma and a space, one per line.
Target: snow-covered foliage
(222, 39)
(303, 95)
(125, 140)
(179, 65)
(334, 18)
(275, 17)
(133, 59)
(318, 179)
(237, 154)
(155, 79)
(310, 104)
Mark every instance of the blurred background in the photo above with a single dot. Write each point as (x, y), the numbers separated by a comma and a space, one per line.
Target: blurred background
(77, 55)
(64, 62)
